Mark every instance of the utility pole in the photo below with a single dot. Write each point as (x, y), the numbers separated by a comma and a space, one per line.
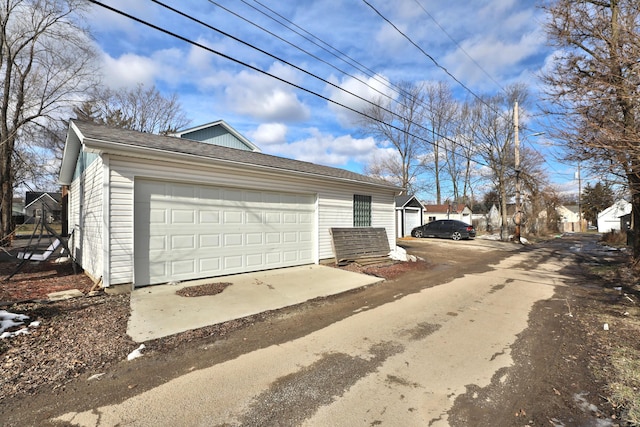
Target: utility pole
(579, 198)
(516, 138)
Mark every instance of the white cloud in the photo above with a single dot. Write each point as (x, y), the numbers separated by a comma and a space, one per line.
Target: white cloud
(264, 98)
(128, 70)
(198, 58)
(496, 56)
(268, 134)
(373, 88)
(389, 40)
(104, 20)
(320, 148)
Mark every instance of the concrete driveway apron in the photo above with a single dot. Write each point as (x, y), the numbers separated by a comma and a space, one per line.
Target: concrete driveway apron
(157, 311)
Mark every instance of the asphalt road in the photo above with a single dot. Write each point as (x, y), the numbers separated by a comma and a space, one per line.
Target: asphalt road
(399, 363)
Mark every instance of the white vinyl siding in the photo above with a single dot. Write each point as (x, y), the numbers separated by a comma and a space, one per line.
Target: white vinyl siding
(121, 226)
(86, 219)
(334, 201)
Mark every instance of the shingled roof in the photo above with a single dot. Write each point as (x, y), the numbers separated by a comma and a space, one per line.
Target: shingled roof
(115, 139)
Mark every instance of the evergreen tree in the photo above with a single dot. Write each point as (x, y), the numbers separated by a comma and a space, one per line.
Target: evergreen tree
(596, 199)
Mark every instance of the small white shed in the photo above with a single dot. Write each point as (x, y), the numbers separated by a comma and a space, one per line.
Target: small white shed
(149, 209)
(409, 214)
(609, 219)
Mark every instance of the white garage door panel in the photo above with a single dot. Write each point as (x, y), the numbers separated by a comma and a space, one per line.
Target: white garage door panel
(411, 220)
(185, 232)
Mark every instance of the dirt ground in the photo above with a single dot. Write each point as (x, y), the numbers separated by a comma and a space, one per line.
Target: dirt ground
(565, 354)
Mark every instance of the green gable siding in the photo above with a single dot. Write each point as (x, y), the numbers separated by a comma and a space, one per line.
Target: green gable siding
(216, 135)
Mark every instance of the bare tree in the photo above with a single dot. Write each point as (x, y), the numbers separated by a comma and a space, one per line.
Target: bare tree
(460, 152)
(440, 113)
(401, 124)
(494, 137)
(142, 109)
(46, 62)
(534, 182)
(593, 85)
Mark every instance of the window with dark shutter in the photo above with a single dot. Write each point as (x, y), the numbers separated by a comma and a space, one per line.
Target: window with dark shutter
(361, 211)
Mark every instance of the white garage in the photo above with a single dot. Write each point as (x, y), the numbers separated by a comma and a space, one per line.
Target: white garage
(409, 214)
(187, 231)
(148, 209)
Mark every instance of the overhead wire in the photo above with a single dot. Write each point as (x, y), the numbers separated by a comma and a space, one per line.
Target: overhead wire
(286, 62)
(290, 64)
(458, 45)
(437, 64)
(254, 68)
(316, 57)
(296, 67)
(331, 50)
(364, 69)
(442, 67)
(368, 71)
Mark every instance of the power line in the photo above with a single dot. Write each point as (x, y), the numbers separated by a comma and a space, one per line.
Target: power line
(458, 45)
(373, 74)
(303, 50)
(312, 75)
(254, 68)
(479, 98)
(331, 50)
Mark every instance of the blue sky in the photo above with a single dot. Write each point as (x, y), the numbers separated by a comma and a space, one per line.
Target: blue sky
(485, 44)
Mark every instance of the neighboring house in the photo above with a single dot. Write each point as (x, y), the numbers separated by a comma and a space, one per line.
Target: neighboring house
(218, 133)
(609, 219)
(494, 219)
(409, 214)
(17, 210)
(569, 216)
(149, 209)
(17, 206)
(489, 221)
(457, 211)
(39, 204)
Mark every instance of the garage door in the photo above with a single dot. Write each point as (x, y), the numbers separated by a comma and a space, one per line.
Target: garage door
(186, 231)
(411, 220)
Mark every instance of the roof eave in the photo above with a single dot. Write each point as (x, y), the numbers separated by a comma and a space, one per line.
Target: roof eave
(40, 197)
(70, 154)
(112, 147)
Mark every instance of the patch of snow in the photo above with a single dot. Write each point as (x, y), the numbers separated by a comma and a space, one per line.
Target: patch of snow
(10, 320)
(136, 353)
(495, 236)
(8, 323)
(400, 254)
(23, 331)
(583, 404)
